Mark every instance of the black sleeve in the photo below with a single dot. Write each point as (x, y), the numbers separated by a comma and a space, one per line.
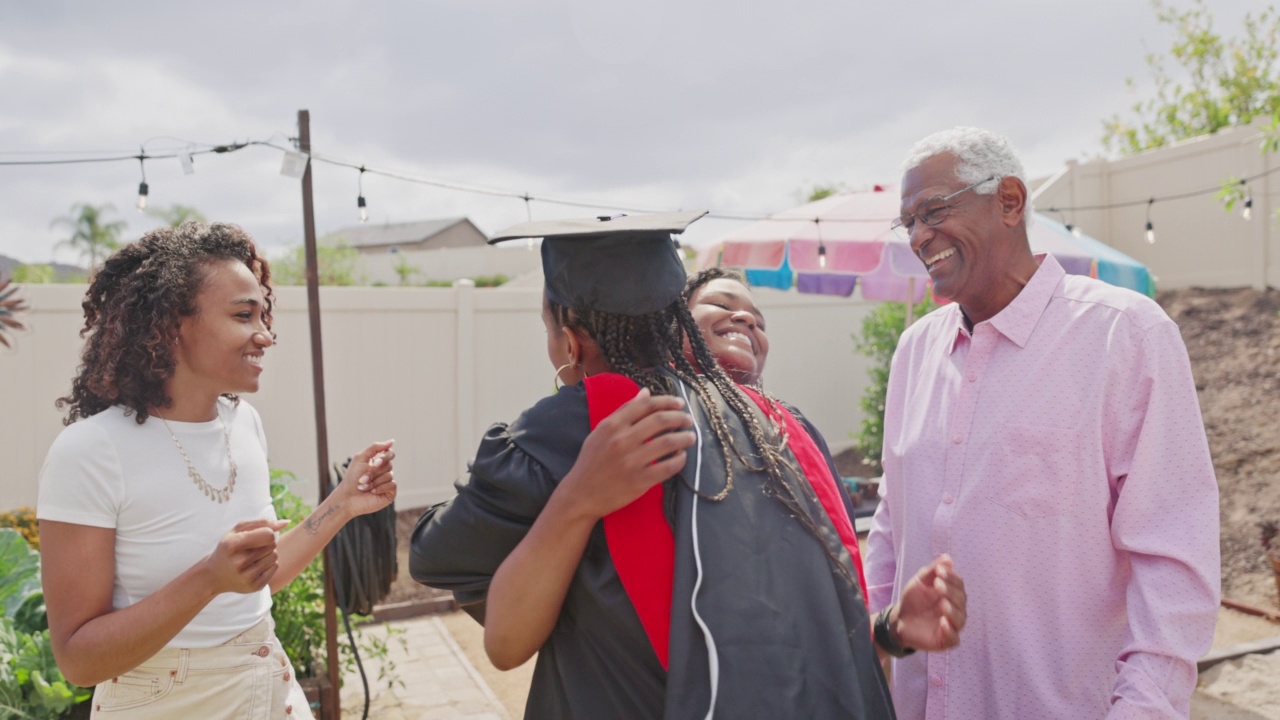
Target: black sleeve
(458, 545)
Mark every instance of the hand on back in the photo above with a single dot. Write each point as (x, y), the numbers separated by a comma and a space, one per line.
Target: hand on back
(635, 448)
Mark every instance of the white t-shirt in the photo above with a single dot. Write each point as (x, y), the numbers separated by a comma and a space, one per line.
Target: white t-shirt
(108, 471)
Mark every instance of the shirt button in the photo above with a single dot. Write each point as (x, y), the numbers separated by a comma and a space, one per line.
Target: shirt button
(973, 378)
(288, 710)
(956, 439)
(948, 499)
(264, 651)
(936, 681)
(286, 677)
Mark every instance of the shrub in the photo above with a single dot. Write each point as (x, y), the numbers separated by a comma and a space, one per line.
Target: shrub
(31, 686)
(24, 521)
(878, 341)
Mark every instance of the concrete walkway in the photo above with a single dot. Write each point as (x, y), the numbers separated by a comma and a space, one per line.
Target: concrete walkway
(440, 683)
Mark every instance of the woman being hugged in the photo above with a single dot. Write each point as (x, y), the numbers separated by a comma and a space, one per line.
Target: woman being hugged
(158, 538)
(656, 572)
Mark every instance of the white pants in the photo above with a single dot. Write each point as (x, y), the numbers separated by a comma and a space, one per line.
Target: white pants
(248, 677)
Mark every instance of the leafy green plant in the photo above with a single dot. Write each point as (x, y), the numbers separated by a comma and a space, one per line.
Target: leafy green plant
(1219, 81)
(10, 305)
(298, 608)
(491, 280)
(878, 341)
(23, 520)
(337, 262)
(31, 686)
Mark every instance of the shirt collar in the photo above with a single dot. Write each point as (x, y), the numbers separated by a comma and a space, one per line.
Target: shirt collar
(1018, 319)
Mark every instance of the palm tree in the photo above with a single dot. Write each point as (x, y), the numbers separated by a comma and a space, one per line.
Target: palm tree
(10, 306)
(89, 234)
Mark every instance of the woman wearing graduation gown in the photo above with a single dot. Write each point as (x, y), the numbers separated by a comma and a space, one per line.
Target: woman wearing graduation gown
(655, 581)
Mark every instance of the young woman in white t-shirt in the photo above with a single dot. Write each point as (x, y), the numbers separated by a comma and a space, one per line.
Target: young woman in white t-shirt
(158, 537)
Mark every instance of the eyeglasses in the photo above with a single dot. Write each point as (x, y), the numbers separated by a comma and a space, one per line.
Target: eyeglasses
(931, 212)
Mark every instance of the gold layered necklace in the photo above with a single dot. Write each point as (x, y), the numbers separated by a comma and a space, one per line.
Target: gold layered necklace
(221, 494)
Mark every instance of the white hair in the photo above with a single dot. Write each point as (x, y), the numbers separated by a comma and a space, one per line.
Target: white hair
(979, 154)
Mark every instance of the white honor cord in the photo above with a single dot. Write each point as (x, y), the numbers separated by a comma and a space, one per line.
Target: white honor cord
(713, 659)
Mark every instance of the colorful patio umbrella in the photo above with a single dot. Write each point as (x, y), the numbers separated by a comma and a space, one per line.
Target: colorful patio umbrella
(830, 245)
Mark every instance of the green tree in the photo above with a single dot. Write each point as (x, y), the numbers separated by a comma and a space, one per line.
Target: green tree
(337, 264)
(1220, 81)
(91, 235)
(822, 190)
(33, 274)
(878, 341)
(174, 215)
(404, 269)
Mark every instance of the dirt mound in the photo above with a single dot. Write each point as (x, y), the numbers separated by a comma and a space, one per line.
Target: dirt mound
(1233, 339)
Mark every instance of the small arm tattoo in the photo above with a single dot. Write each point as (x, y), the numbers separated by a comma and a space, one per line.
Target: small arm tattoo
(312, 524)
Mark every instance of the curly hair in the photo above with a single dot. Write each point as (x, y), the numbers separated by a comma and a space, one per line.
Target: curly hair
(134, 308)
(640, 346)
(696, 281)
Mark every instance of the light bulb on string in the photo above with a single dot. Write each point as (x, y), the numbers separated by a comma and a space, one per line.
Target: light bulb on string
(528, 213)
(143, 189)
(1247, 212)
(822, 249)
(1151, 230)
(1076, 231)
(360, 201)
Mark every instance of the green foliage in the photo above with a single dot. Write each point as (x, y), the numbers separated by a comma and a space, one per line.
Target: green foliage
(174, 215)
(24, 521)
(490, 280)
(878, 340)
(31, 686)
(33, 274)
(91, 235)
(337, 263)
(823, 190)
(1222, 82)
(438, 283)
(404, 269)
(298, 608)
(10, 305)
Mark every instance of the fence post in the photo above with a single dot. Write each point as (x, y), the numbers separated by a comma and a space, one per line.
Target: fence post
(465, 379)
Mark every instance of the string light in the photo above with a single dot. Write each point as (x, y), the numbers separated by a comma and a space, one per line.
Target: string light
(1151, 231)
(528, 213)
(360, 203)
(822, 249)
(142, 186)
(1247, 212)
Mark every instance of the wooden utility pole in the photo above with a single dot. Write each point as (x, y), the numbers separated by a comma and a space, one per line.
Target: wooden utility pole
(329, 706)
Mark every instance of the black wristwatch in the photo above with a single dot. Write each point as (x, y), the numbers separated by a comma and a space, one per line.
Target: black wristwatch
(884, 638)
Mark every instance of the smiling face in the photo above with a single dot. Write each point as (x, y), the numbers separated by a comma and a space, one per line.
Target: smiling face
(219, 349)
(732, 327)
(962, 253)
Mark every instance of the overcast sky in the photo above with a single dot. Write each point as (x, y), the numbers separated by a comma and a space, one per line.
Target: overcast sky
(737, 107)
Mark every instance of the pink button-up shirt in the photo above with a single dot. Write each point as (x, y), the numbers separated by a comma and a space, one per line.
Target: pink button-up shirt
(1057, 453)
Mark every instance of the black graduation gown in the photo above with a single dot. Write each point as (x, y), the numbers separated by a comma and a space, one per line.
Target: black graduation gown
(792, 635)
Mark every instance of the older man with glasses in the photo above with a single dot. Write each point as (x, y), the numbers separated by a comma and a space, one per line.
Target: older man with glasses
(1044, 430)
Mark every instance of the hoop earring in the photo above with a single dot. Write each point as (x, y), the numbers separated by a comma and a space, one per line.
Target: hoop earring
(556, 383)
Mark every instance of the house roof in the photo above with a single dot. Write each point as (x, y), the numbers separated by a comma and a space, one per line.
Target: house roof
(401, 233)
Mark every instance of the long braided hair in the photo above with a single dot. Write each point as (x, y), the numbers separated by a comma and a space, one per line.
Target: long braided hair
(775, 407)
(134, 307)
(640, 346)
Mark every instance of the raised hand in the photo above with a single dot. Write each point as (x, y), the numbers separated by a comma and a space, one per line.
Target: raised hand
(932, 610)
(368, 485)
(635, 448)
(245, 559)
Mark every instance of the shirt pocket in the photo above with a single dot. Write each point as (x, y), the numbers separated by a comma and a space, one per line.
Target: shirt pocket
(1037, 470)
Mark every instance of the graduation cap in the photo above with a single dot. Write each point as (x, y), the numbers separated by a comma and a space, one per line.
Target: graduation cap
(623, 264)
